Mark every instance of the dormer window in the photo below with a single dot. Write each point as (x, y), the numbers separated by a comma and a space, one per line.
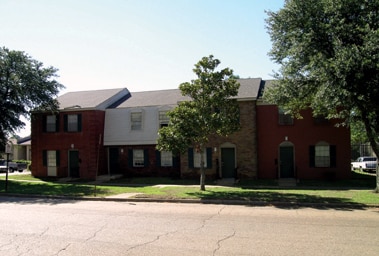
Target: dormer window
(136, 121)
(163, 119)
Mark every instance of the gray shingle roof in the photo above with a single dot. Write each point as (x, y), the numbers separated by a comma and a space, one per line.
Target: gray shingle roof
(96, 99)
(249, 88)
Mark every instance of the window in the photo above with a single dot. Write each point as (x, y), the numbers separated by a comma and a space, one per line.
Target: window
(138, 158)
(197, 159)
(166, 158)
(322, 155)
(51, 123)
(285, 119)
(163, 119)
(51, 158)
(194, 158)
(320, 120)
(73, 123)
(136, 121)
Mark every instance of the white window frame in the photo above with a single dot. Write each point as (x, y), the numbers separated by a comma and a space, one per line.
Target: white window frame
(51, 156)
(138, 158)
(197, 158)
(322, 154)
(136, 121)
(166, 158)
(164, 119)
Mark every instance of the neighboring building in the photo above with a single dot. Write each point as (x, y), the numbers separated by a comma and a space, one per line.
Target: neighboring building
(307, 148)
(69, 143)
(115, 132)
(21, 149)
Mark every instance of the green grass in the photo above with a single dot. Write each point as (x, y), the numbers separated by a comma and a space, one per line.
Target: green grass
(356, 192)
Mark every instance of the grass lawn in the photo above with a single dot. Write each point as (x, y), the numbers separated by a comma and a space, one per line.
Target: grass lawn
(357, 192)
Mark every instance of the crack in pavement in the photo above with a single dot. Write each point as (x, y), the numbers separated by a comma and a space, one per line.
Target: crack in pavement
(222, 240)
(152, 241)
(63, 249)
(211, 217)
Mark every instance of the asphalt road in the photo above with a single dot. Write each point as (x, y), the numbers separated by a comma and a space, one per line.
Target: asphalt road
(62, 227)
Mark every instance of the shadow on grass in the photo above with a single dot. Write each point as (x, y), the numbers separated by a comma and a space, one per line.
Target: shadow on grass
(67, 191)
(279, 200)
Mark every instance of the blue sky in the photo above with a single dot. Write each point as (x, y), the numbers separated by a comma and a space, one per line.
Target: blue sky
(138, 44)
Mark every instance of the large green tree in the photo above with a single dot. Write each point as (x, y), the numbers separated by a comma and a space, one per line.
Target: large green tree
(24, 85)
(329, 56)
(211, 110)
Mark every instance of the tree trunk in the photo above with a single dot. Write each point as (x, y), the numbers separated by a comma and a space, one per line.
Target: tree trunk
(371, 135)
(202, 170)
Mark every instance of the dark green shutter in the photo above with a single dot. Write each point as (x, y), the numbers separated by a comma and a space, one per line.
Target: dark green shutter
(209, 158)
(333, 156)
(65, 122)
(190, 157)
(79, 122)
(130, 157)
(44, 158)
(312, 156)
(158, 158)
(57, 123)
(146, 159)
(44, 123)
(58, 157)
(176, 161)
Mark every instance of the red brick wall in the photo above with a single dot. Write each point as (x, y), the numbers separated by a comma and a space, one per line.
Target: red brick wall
(302, 134)
(86, 142)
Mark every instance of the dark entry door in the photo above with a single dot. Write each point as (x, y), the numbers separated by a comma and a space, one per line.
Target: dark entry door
(286, 162)
(114, 166)
(74, 163)
(228, 162)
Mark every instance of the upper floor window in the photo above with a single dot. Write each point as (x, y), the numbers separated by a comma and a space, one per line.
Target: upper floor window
(136, 121)
(320, 120)
(163, 119)
(51, 124)
(285, 119)
(73, 123)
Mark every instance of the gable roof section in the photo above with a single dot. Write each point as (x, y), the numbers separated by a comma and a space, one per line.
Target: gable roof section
(154, 98)
(248, 90)
(97, 99)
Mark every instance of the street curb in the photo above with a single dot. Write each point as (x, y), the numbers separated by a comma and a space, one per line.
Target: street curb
(291, 204)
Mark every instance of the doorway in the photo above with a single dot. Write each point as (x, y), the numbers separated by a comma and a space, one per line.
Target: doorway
(73, 163)
(228, 162)
(286, 160)
(114, 166)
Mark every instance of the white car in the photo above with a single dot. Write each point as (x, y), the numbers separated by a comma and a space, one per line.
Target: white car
(365, 163)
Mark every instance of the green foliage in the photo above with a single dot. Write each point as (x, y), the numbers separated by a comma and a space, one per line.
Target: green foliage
(329, 54)
(25, 85)
(211, 110)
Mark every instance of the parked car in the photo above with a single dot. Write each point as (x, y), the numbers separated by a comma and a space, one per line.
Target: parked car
(365, 163)
(3, 165)
(13, 166)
